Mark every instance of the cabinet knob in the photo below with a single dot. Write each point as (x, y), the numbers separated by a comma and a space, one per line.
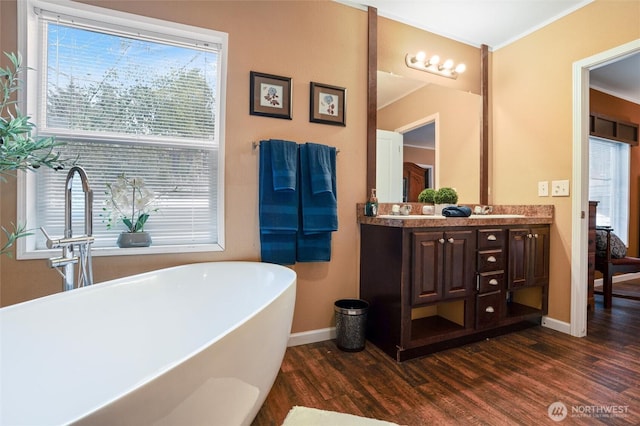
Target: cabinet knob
(451, 240)
(489, 309)
(493, 281)
(529, 235)
(441, 240)
(535, 235)
(491, 237)
(491, 259)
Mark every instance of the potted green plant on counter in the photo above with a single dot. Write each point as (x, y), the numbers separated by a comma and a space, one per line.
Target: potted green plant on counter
(427, 196)
(445, 197)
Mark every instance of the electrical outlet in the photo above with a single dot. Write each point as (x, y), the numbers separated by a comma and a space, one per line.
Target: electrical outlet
(543, 188)
(559, 188)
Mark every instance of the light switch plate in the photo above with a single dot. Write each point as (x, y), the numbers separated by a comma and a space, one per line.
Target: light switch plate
(559, 188)
(543, 188)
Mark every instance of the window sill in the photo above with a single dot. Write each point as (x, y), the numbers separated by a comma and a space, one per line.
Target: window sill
(116, 251)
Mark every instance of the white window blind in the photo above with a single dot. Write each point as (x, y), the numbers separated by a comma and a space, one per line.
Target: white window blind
(609, 184)
(137, 102)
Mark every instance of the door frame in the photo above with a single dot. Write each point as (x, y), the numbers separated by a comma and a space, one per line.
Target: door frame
(433, 118)
(580, 185)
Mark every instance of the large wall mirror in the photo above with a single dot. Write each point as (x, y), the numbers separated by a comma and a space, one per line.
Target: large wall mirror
(427, 136)
(432, 128)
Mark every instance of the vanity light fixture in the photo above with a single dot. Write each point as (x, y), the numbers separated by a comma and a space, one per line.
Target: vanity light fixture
(447, 69)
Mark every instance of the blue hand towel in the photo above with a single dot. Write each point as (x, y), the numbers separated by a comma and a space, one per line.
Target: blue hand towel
(456, 211)
(278, 211)
(319, 213)
(284, 160)
(321, 168)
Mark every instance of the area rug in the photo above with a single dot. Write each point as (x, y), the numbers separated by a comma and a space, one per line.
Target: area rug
(305, 416)
(629, 289)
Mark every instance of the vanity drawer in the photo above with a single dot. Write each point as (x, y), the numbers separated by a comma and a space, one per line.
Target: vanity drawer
(488, 309)
(490, 260)
(490, 238)
(491, 281)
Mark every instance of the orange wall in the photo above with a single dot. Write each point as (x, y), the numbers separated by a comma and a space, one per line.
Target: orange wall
(309, 41)
(531, 98)
(458, 134)
(412, 154)
(531, 94)
(612, 106)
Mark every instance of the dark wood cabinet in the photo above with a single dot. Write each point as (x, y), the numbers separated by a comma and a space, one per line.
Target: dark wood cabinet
(415, 180)
(434, 288)
(443, 266)
(613, 128)
(528, 257)
(490, 281)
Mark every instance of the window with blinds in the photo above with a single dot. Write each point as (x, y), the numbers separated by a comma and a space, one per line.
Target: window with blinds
(609, 184)
(144, 103)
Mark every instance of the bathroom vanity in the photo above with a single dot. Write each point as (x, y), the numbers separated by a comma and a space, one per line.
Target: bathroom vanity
(433, 283)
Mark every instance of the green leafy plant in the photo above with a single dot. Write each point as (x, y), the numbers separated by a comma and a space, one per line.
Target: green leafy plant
(446, 196)
(12, 236)
(427, 196)
(19, 150)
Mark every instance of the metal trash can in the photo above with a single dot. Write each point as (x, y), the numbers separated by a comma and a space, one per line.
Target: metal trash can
(351, 321)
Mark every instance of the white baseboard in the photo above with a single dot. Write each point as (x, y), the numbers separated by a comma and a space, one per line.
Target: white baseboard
(620, 278)
(312, 336)
(557, 325)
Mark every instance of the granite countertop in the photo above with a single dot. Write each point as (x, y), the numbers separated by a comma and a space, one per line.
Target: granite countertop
(519, 215)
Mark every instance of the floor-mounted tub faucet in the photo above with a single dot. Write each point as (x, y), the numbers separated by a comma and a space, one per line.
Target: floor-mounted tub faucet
(69, 242)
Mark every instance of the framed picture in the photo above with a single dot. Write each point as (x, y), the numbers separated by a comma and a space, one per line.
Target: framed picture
(270, 95)
(328, 104)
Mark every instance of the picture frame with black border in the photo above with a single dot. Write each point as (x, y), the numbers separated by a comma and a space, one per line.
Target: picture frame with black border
(270, 95)
(327, 104)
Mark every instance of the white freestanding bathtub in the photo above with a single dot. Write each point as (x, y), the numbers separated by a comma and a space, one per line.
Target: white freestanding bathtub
(197, 344)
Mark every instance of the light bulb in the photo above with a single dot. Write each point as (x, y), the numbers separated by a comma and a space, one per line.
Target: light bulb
(461, 68)
(420, 57)
(448, 64)
(435, 59)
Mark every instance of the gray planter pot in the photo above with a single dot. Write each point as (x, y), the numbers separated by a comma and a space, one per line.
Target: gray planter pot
(134, 239)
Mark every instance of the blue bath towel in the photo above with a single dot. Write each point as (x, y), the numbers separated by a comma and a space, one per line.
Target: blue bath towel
(319, 211)
(313, 247)
(278, 209)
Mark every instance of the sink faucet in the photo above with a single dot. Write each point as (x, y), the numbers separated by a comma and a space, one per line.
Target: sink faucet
(68, 241)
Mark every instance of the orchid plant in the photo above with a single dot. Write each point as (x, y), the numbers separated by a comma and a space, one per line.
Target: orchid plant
(129, 200)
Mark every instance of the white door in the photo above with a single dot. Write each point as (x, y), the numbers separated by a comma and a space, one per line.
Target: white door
(389, 166)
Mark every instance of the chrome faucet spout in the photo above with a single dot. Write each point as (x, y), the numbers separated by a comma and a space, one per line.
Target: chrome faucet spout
(69, 241)
(88, 202)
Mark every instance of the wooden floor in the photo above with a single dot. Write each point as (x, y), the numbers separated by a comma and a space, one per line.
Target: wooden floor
(508, 380)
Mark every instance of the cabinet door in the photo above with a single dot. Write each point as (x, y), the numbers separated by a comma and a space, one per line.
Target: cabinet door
(528, 257)
(518, 257)
(427, 262)
(539, 256)
(459, 265)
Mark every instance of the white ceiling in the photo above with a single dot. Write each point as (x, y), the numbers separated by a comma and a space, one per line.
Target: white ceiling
(495, 23)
